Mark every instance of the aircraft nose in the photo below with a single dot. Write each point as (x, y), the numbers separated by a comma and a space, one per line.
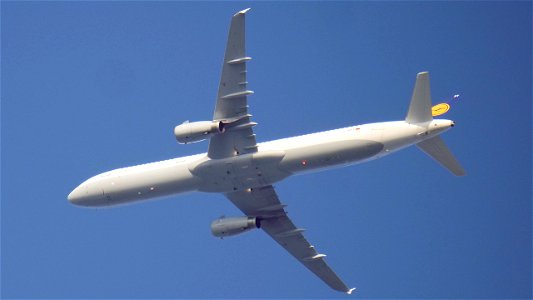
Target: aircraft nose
(88, 194)
(76, 196)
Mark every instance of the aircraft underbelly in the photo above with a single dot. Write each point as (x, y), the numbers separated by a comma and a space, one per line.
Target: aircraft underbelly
(330, 154)
(240, 172)
(148, 184)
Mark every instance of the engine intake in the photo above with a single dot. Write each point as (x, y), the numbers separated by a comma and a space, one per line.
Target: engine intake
(197, 131)
(223, 227)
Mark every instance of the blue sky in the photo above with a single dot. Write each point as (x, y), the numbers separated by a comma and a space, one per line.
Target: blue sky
(91, 86)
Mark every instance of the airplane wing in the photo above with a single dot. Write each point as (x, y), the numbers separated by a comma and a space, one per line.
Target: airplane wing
(232, 103)
(264, 204)
(239, 138)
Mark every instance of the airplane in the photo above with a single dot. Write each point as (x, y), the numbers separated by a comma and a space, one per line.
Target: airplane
(245, 171)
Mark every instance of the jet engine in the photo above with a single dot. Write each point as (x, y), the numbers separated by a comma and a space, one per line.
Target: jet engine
(191, 132)
(223, 227)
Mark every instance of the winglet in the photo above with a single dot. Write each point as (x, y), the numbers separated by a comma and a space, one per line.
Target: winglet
(349, 292)
(242, 12)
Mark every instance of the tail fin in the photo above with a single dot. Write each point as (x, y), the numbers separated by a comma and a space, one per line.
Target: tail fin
(420, 112)
(420, 107)
(437, 149)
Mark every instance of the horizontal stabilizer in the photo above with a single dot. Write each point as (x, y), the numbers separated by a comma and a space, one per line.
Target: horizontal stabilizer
(437, 149)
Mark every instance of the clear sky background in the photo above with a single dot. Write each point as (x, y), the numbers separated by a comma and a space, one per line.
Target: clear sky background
(88, 87)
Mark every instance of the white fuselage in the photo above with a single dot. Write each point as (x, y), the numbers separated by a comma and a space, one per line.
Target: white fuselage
(273, 161)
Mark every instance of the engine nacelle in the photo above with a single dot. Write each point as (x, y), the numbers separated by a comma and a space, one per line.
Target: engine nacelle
(223, 227)
(197, 131)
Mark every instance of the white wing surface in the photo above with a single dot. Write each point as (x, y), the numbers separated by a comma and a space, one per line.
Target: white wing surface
(264, 204)
(232, 103)
(239, 138)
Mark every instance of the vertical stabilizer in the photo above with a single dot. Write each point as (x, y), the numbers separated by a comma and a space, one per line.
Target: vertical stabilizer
(437, 149)
(420, 107)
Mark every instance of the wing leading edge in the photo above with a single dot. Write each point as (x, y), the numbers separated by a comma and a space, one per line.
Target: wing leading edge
(264, 204)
